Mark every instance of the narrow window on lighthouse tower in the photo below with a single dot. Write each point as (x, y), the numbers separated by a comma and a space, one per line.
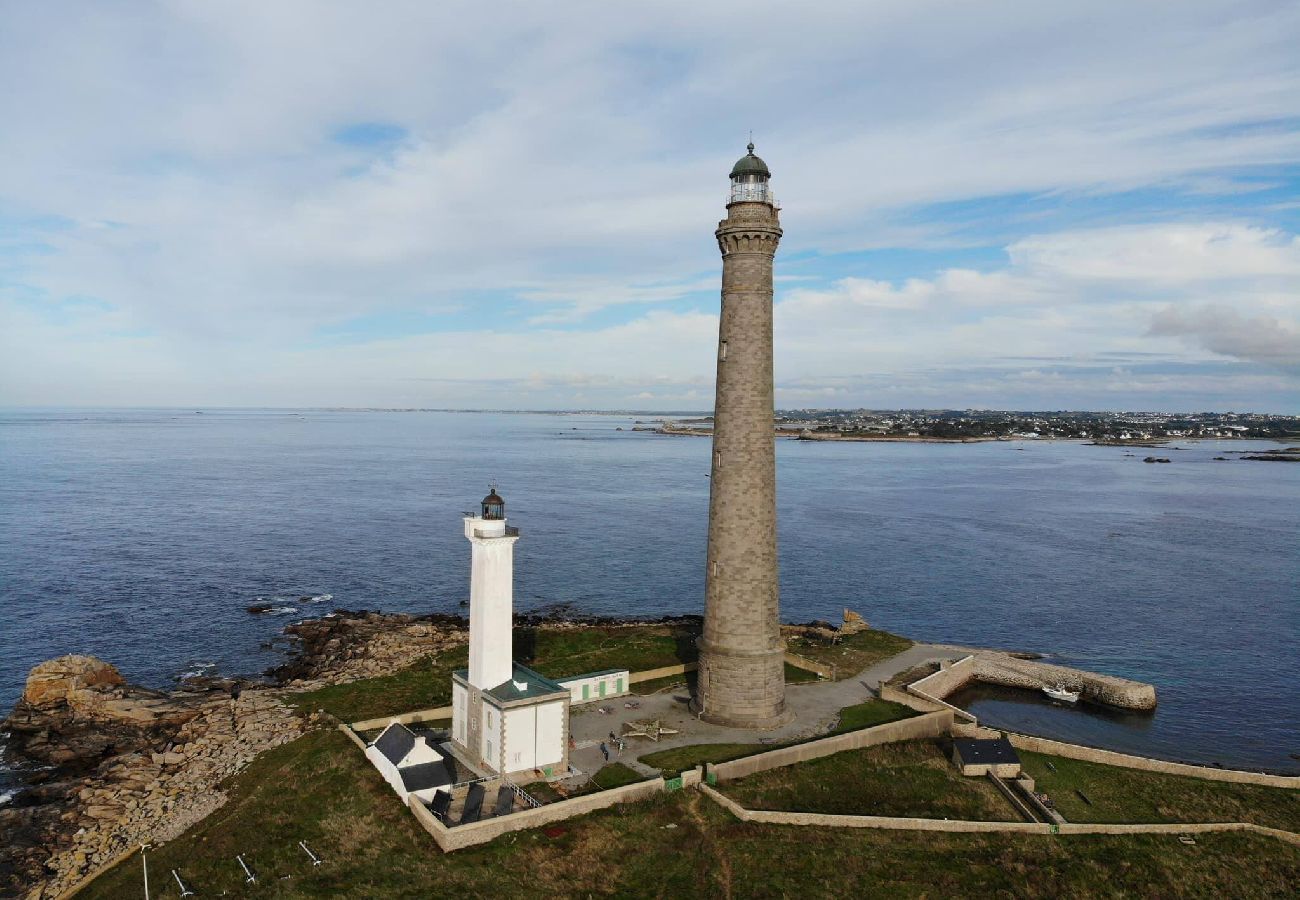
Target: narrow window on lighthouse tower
(722, 350)
(715, 568)
(717, 460)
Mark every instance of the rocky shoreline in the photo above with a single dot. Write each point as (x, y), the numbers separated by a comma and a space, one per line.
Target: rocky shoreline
(107, 766)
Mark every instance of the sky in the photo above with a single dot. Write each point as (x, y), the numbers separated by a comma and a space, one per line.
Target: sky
(1017, 205)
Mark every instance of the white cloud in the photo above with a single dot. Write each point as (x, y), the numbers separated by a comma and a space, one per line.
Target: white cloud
(175, 161)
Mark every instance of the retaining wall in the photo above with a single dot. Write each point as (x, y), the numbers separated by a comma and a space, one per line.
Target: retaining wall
(1111, 758)
(899, 823)
(929, 725)
(460, 836)
(422, 715)
(662, 672)
(825, 670)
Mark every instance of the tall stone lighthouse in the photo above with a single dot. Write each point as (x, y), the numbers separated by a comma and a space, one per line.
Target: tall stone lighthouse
(742, 657)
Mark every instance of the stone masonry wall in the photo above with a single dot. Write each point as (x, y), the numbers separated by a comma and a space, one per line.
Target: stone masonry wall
(927, 726)
(741, 673)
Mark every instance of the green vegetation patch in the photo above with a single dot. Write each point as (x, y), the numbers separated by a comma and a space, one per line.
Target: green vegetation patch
(561, 652)
(320, 789)
(423, 685)
(1130, 795)
(870, 714)
(616, 775)
(678, 759)
(852, 653)
(912, 778)
(796, 675)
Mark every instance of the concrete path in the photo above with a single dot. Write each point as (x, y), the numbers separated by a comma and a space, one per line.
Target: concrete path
(816, 706)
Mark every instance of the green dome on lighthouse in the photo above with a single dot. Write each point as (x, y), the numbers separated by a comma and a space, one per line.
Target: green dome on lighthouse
(749, 164)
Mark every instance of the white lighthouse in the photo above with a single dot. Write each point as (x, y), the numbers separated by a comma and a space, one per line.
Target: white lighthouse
(505, 717)
(491, 593)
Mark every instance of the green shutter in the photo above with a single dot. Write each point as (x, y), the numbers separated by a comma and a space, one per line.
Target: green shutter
(586, 691)
(618, 687)
(602, 689)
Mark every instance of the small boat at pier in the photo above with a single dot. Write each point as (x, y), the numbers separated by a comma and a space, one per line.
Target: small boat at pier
(1060, 692)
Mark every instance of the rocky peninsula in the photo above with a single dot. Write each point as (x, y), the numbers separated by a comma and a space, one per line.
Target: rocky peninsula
(109, 766)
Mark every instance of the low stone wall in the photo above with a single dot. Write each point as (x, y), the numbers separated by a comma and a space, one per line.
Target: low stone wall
(1111, 758)
(900, 823)
(927, 726)
(897, 823)
(355, 738)
(461, 836)
(662, 672)
(898, 695)
(824, 670)
(422, 715)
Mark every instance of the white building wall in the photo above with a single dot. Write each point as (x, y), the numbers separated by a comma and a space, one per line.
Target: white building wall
(387, 770)
(490, 735)
(550, 733)
(588, 688)
(459, 713)
(491, 600)
(521, 738)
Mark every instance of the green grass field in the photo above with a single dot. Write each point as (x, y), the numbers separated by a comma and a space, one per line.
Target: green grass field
(913, 778)
(320, 789)
(851, 654)
(1129, 795)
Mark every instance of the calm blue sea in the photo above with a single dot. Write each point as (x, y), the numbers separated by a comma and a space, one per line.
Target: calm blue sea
(140, 536)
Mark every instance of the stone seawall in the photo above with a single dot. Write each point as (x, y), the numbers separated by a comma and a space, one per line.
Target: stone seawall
(992, 667)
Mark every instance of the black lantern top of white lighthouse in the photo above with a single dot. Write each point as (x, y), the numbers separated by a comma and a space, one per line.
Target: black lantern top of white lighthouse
(749, 177)
(494, 508)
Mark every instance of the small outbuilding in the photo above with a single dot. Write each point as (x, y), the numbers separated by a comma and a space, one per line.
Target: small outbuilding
(409, 764)
(976, 756)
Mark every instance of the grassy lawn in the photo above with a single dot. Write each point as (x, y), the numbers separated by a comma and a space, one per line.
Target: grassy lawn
(320, 789)
(872, 713)
(682, 684)
(905, 779)
(1129, 795)
(852, 718)
(616, 775)
(678, 759)
(423, 685)
(851, 654)
(560, 652)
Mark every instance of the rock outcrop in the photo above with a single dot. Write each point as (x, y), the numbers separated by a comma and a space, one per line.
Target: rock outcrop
(114, 766)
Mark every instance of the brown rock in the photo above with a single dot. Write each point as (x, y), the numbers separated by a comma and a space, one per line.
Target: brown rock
(57, 681)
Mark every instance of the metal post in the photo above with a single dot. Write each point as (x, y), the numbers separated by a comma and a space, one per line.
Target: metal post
(315, 861)
(185, 892)
(251, 879)
(144, 864)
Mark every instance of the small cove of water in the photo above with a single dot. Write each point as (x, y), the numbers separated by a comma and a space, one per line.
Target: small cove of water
(141, 536)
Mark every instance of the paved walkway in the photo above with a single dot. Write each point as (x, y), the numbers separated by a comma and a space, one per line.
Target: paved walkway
(816, 706)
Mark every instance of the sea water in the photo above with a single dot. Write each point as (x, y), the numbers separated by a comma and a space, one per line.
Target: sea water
(141, 537)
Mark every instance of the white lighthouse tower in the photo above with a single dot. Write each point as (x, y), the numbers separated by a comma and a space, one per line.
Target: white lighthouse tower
(505, 717)
(491, 593)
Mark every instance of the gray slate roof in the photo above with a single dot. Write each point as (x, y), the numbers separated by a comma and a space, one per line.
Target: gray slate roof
(395, 742)
(423, 776)
(988, 751)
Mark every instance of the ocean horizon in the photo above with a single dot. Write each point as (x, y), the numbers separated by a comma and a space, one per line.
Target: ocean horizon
(142, 535)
